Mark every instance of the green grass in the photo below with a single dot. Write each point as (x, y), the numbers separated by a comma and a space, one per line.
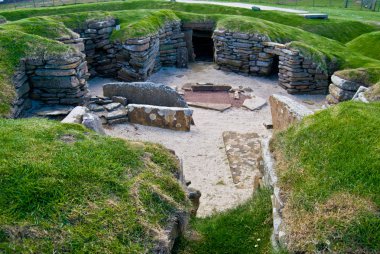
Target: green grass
(348, 29)
(245, 229)
(15, 45)
(366, 76)
(65, 189)
(330, 176)
(333, 8)
(367, 45)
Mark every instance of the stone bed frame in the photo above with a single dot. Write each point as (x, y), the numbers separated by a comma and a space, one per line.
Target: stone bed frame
(64, 81)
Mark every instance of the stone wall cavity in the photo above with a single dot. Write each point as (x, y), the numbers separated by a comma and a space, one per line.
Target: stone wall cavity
(254, 54)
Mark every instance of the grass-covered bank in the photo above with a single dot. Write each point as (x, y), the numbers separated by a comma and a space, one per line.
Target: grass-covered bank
(329, 171)
(348, 29)
(245, 229)
(66, 189)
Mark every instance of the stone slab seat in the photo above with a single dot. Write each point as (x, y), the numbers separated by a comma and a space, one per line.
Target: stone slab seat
(147, 93)
(174, 118)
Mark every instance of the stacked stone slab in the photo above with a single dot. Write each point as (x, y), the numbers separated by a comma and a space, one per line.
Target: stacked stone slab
(109, 110)
(22, 87)
(297, 74)
(100, 51)
(145, 55)
(58, 81)
(173, 51)
(341, 89)
(242, 53)
(254, 54)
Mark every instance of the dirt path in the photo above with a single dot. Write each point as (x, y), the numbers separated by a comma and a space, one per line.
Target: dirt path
(202, 149)
(245, 6)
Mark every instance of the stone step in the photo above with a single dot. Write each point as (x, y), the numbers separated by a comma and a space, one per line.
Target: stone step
(244, 156)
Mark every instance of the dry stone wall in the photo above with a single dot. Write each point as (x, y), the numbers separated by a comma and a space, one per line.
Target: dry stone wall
(58, 81)
(254, 54)
(22, 86)
(101, 53)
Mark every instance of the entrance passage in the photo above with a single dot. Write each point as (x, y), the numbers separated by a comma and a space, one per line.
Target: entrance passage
(203, 45)
(274, 70)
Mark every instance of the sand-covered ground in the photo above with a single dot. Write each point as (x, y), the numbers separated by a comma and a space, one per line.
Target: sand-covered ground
(202, 150)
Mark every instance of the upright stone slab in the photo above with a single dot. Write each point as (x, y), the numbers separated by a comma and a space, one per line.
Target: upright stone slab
(145, 93)
(173, 118)
(286, 111)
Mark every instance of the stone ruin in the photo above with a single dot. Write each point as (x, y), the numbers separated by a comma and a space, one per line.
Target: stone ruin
(63, 81)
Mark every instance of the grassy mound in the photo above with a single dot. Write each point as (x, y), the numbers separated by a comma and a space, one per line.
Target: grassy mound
(66, 189)
(15, 45)
(245, 229)
(365, 76)
(348, 29)
(328, 167)
(367, 44)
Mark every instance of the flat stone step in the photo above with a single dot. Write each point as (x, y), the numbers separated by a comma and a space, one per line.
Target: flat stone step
(244, 156)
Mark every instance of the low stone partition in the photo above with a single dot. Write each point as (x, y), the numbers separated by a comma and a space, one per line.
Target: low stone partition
(173, 118)
(286, 111)
(341, 90)
(254, 54)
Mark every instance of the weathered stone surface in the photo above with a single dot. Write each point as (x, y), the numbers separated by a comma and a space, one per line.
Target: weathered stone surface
(55, 72)
(112, 106)
(174, 118)
(210, 87)
(54, 82)
(145, 93)
(117, 114)
(340, 94)
(345, 84)
(244, 156)
(122, 100)
(93, 122)
(54, 111)
(212, 106)
(76, 115)
(254, 103)
(286, 111)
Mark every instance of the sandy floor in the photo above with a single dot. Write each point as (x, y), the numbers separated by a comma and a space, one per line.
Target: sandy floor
(202, 150)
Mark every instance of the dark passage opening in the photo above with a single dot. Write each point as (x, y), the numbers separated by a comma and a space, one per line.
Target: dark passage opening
(275, 63)
(203, 45)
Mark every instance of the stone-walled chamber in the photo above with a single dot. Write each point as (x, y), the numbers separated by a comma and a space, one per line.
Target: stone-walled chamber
(64, 81)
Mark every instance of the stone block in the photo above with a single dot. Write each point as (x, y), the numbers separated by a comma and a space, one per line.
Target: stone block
(345, 84)
(145, 93)
(173, 118)
(286, 111)
(76, 115)
(340, 94)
